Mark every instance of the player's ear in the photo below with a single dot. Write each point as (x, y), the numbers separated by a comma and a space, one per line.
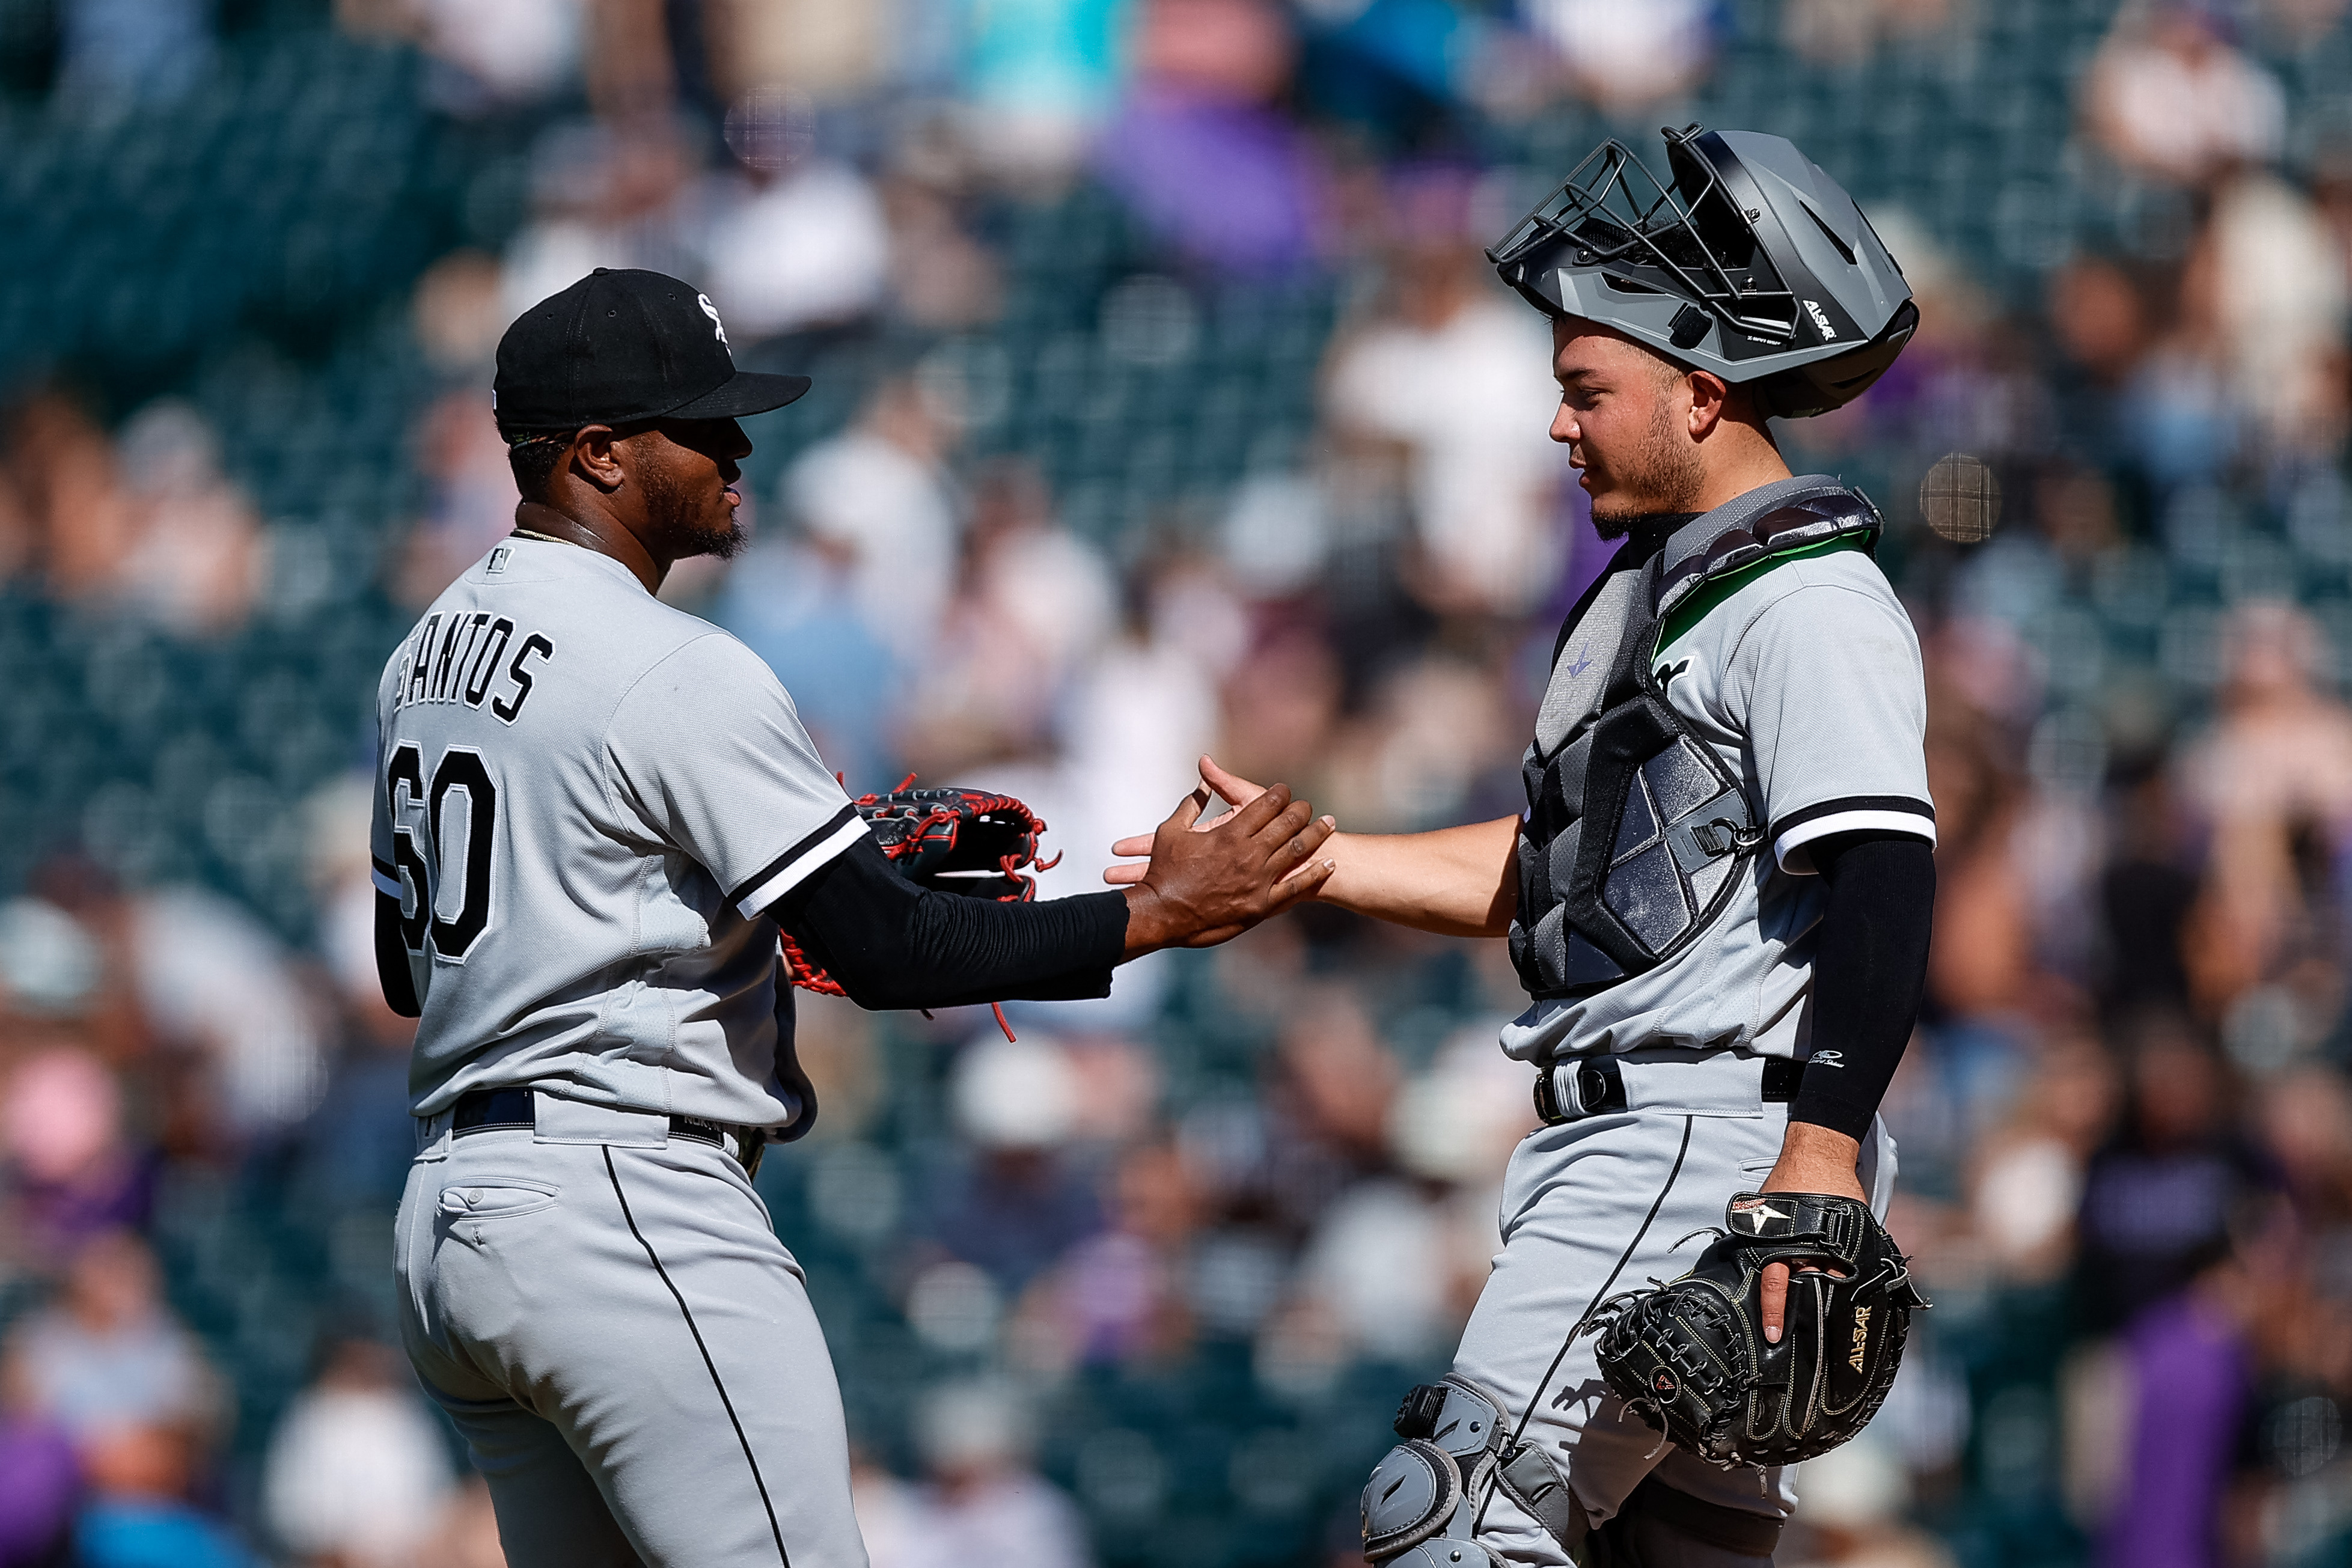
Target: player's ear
(1709, 395)
(594, 457)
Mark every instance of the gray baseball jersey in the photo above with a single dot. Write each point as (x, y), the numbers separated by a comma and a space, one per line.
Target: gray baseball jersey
(1803, 675)
(585, 800)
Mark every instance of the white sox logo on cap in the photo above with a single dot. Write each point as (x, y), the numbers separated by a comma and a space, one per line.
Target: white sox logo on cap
(712, 311)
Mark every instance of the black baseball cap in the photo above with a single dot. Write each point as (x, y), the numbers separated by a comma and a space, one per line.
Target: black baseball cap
(622, 346)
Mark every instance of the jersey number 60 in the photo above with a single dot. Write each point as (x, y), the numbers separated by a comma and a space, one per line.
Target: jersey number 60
(460, 770)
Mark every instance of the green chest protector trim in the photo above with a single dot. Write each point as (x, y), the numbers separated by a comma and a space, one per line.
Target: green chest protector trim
(1636, 833)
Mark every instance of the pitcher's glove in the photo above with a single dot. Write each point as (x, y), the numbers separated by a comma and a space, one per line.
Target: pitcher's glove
(1691, 1359)
(965, 841)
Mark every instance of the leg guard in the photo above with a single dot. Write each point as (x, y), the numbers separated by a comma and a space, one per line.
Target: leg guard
(1424, 1498)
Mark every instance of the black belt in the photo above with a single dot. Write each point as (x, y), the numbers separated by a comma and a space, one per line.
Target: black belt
(491, 1110)
(1600, 1086)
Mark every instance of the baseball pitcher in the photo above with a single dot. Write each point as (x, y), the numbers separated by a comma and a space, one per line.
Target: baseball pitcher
(595, 816)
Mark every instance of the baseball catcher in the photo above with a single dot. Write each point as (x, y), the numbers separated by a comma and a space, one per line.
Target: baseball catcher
(1718, 900)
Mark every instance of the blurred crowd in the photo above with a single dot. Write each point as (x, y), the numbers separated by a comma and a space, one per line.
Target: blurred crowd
(1143, 1285)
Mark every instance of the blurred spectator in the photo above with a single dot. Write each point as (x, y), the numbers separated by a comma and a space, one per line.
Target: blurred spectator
(139, 1515)
(50, 964)
(2168, 96)
(82, 522)
(69, 1172)
(150, 523)
(876, 498)
(217, 984)
(824, 51)
(794, 240)
(198, 561)
(1844, 32)
(2190, 1378)
(940, 276)
(602, 197)
(470, 496)
(2160, 1200)
(457, 318)
(1120, 1295)
(2148, 894)
(1036, 76)
(1198, 149)
(792, 601)
(513, 52)
(1016, 1205)
(109, 1356)
(1626, 59)
(357, 1473)
(1457, 378)
(984, 1507)
(40, 1485)
(2274, 276)
(1855, 1500)
(2272, 783)
(1032, 608)
(2029, 1168)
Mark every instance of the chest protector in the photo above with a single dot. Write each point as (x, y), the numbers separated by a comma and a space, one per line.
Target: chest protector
(1636, 833)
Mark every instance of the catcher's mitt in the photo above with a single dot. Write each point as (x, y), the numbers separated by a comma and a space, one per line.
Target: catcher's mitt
(965, 841)
(1690, 1356)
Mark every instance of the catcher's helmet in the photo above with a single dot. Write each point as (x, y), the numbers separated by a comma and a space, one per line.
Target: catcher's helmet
(1753, 264)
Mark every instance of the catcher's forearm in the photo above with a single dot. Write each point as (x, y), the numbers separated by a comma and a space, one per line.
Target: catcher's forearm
(890, 944)
(1870, 969)
(1455, 881)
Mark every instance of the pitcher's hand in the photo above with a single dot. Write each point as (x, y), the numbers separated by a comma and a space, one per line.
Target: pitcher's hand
(1236, 790)
(1208, 882)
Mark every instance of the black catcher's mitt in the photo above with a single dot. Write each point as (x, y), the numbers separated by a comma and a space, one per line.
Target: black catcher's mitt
(966, 841)
(1690, 1355)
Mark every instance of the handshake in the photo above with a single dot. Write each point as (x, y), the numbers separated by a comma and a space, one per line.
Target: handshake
(1208, 881)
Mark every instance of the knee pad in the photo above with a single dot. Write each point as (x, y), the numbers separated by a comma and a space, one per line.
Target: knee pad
(1431, 1484)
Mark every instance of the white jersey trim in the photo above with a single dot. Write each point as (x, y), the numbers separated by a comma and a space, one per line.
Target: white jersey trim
(765, 892)
(1917, 824)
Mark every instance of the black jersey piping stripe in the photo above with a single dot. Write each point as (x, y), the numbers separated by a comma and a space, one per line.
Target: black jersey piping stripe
(1535, 1399)
(1910, 804)
(711, 1367)
(768, 872)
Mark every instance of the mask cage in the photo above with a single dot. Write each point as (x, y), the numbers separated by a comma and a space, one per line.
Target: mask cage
(1693, 240)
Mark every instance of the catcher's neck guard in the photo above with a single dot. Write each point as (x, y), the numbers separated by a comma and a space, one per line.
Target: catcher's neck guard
(1750, 263)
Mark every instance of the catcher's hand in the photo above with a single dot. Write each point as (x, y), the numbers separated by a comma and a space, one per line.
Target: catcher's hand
(1692, 1359)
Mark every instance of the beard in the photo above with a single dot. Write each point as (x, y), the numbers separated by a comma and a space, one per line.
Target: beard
(1666, 476)
(683, 532)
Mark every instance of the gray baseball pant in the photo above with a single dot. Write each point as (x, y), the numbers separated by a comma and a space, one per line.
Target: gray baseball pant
(608, 1317)
(1597, 1206)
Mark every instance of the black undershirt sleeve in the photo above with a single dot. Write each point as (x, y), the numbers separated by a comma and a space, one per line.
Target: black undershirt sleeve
(392, 970)
(1869, 972)
(890, 944)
